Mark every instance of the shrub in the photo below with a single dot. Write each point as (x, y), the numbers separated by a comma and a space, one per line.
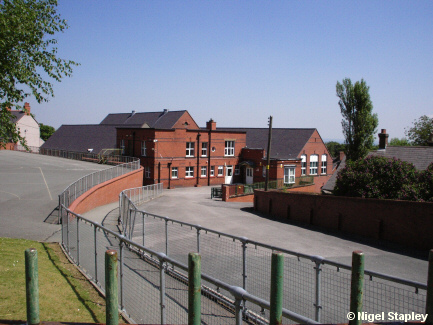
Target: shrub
(426, 184)
(380, 178)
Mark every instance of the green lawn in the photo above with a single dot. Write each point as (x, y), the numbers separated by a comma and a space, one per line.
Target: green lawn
(64, 293)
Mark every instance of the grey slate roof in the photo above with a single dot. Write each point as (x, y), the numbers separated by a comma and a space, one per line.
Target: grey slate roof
(330, 184)
(286, 143)
(421, 157)
(156, 120)
(82, 137)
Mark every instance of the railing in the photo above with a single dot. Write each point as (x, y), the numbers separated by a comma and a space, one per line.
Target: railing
(153, 287)
(314, 287)
(122, 165)
(129, 199)
(32, 149)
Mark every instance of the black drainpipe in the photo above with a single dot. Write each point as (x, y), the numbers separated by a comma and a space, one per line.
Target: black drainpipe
(198, 158)
(209, 146)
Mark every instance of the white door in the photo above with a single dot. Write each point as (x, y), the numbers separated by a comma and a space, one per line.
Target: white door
(229, 174)
(249, 175)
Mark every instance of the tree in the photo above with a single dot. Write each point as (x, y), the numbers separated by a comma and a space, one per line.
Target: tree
(403, 142)
(46, 131)
(380, 178)
(334, 148)
(359, 124)
(28, 57)
(421, 131)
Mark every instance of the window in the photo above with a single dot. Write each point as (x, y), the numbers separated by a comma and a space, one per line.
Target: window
(229, 148)
(147, 172)
(212, 170)
(143, 148)
(189, 172)
(204, 149)
(289, 175)
(314, 160)
(190, 149)
(122, 146)
(237, 170)
(324, 166)
(249, 172)
(174, 172)
(203, 170)
(264, 171)
(303, 165)
(220, 170)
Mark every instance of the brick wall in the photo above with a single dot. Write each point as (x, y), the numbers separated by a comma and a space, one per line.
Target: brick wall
(402, 222)
(107, 192)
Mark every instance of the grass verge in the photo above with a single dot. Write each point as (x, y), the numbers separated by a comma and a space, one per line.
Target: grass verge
(65, 295)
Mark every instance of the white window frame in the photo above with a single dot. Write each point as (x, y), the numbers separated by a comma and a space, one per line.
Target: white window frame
(249, 172)
(143, 148)
(212, 170)
(324, 165)
(289, 178)
(229, 148)
(314, 164)
(189, 172)
(147, 171)
(190, 146)
(204, 149)
(264, 171)
(303, 165)
(220, 170)
(174, 172)
(203, 171)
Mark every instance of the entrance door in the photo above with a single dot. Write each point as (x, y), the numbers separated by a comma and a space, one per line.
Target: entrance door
(248, 175)
(229, 174)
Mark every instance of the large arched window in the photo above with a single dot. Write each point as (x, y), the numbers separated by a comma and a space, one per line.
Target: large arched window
(314, 162)
(303, 165)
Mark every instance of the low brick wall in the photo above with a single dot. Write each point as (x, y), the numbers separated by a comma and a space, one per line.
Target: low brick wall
(107, 192)
(402, 222)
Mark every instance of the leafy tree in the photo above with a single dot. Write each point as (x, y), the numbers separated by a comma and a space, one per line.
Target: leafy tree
(380, 178)
(359, 123)
(28, 57)
(334, 148)
(403, 142)
(420, 132)
(426, 183)
(46, 131)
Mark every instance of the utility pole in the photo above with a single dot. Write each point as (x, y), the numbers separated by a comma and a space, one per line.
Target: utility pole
(269, 153)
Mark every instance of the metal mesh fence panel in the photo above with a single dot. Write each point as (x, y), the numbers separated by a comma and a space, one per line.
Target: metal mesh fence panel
(141, 288)
(182, 241)
(154, 237)
(383, 296)
(335, 294)
(87, 255)
(221, 257)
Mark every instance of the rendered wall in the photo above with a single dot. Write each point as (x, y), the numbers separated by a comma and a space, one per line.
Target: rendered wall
(107, 192)
(402, 222)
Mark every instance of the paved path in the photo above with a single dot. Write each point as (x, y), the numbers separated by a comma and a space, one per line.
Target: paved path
(194, 205)
(29, 189)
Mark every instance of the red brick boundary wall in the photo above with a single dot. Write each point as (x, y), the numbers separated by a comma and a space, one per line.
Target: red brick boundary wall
(402, 222)
(107, 192)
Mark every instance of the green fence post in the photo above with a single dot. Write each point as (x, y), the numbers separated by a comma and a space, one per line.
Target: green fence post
(357, 287)
(276, 299)
(429, 303)
(111, 300)
(32, 286)
(194, 289)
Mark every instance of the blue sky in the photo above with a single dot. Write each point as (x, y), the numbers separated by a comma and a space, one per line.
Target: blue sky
(240, 61)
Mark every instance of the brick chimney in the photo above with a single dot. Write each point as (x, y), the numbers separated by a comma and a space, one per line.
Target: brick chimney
(342, 154)
(383, 139)
(211, 125)
(27, 108)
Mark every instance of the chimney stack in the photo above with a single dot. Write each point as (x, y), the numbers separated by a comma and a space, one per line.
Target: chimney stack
(342, 154)
(383, 139)
(211, 125)
(27, 108)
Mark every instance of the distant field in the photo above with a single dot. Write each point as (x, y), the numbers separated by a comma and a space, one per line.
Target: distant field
(64, 293)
